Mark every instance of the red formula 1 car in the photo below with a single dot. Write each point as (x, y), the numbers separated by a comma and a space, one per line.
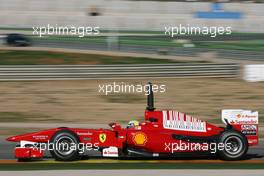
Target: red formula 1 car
(163, 134)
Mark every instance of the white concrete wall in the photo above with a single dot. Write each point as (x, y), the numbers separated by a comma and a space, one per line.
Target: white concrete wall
(130, 15)
(253, 73)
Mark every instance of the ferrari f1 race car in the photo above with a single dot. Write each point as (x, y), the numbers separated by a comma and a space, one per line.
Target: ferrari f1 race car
(164, 133)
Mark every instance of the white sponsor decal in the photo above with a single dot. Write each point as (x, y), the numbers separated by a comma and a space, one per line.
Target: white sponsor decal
(39, 137)
(252, 141)
(179, 121)
(240, 116)
(110, 152)
(24, 143)
(248, 127)
(84, 133)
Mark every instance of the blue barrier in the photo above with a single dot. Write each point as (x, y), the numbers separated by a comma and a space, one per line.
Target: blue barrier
(218, 13)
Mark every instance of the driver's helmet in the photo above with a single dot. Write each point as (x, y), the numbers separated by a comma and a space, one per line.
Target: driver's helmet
(133, 123)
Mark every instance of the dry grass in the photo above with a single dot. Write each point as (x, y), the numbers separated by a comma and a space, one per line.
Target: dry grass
(80, 101)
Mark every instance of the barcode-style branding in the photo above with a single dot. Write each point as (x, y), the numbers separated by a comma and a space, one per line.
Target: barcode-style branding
(179, 121)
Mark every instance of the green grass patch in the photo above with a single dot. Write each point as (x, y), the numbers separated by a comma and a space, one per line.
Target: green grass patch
(122, 40)
(247, 45)
(60, 58)
(104, 166)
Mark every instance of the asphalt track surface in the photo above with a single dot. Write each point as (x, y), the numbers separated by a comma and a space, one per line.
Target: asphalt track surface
(136, 172)
(174, 51)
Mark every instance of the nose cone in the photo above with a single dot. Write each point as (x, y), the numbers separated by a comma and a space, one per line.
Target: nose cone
(19, 138)
(25, 137)
(13, 139)
(40, 136)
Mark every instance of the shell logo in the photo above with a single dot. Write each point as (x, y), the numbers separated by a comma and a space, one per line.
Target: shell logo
(140, 138)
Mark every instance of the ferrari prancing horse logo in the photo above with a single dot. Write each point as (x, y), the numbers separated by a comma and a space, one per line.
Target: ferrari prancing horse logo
(102, 137)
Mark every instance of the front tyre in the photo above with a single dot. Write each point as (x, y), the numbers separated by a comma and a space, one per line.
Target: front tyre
(235, 145)
(65, 146)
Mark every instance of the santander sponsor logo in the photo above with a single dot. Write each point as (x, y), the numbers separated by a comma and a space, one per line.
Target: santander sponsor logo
(240, 116)
(110, 152)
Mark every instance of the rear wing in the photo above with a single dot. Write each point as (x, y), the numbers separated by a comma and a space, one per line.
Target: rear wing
(245, 121)
(150, 98)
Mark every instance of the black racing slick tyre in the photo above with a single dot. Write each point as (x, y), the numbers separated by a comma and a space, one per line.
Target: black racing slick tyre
(235, 145)
(65, 146)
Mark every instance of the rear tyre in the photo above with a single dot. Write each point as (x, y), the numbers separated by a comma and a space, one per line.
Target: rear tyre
(65, 146)
(235, 145)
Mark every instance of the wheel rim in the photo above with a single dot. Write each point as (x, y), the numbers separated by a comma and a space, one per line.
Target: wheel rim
(235, 143)
(64, 145)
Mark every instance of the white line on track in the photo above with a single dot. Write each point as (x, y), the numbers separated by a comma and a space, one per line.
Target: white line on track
(135, 172)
